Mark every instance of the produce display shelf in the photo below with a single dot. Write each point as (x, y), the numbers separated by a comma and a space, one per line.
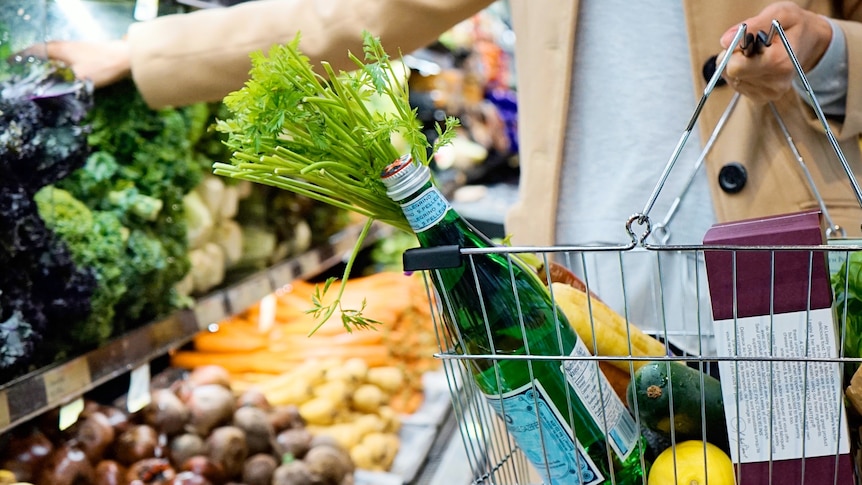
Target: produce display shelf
(55, 386)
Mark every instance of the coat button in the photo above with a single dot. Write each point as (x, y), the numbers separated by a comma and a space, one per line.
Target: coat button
(709, 70)
(732, 177)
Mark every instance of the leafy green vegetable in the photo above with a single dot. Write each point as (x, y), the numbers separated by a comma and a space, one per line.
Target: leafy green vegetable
(319, 137)
(43, 293)
(16, 342)
(96, 241)
(847, 288)
(140, 169)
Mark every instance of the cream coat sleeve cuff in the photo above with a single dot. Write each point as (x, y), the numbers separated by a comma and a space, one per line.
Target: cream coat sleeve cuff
(851, 126)
(828, 79)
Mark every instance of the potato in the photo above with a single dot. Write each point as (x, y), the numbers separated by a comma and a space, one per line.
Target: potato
(368, 398)
(370, 423)
(346, 435)
(337, 391)
(390, 417)
(356, 368)
(319, 411)
(389, 378)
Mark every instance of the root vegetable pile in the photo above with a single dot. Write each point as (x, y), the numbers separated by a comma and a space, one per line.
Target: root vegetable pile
(197, 432)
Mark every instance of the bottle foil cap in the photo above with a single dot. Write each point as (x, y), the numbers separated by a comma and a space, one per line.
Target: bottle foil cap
(403, 177)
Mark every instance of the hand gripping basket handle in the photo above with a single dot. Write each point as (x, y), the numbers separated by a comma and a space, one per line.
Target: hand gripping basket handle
(750, 45)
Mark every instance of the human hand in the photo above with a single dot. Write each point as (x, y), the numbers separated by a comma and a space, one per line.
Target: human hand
(103, 63)
(768, 75)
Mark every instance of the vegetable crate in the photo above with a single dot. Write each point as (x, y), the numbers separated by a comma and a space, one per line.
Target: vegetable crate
(742, 347)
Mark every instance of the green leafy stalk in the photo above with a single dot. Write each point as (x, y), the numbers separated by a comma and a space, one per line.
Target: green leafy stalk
(317, 135)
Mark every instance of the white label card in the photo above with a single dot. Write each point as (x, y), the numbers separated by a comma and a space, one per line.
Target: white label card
(69, 413)
(266, 316)
(785, 408)
(139, 389)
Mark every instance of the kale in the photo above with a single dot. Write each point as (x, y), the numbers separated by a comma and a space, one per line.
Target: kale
(96, 240)
(16, 340)
(140, 168)
(42, 113)
(42, 108)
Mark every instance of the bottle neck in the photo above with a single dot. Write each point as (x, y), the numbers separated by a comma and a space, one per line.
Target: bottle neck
(427, 210)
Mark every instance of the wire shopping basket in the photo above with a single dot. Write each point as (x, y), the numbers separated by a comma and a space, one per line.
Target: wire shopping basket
(749, 348)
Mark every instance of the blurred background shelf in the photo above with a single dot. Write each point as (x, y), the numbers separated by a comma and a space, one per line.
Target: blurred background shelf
(48, 388)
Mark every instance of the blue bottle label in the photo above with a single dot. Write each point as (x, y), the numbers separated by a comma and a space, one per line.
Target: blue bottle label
(545, 437)
(600, 400)
(427, 209)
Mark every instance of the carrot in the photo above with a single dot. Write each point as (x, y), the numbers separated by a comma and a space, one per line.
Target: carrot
(230, 340)
(291, 342)
(304, 324)
(237, 362)
(268, 361)
(373, 355)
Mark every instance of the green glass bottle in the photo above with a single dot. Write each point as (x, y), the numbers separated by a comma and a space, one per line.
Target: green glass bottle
(564, 399)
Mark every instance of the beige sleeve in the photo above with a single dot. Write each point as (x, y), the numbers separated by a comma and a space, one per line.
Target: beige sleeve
(852, 125)
(202, 56)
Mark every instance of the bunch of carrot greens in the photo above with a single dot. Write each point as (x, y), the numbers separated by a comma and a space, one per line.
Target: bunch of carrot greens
(319, 135)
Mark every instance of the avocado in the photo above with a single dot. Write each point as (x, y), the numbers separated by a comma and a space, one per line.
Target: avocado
(693, 394)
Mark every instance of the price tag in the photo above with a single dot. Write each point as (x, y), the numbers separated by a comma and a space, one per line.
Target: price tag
(248, 293)
(70, 412)
(210, 309)
(68, 379)
(5, 418)
(266, 317)
(139, 389)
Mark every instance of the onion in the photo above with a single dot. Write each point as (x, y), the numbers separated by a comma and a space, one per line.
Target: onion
(26, 454)
(110, 472)
(227, 447)
(94, 435)
(210, 405)
(150, 471)
(209, 374)
(166, 412)
(67, 465)
(184, 447)
(136, 444)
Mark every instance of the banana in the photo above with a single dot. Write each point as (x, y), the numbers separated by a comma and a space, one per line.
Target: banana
(612, 332)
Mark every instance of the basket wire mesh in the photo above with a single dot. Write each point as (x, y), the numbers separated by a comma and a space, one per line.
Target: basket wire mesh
(495, 458)
(680, 316)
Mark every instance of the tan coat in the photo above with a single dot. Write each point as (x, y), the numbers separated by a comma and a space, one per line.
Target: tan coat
(187, 58)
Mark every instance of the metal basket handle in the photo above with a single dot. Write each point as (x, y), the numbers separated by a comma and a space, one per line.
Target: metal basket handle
(744, 40)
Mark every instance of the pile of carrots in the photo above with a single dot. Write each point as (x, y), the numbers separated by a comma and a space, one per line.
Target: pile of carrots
(272, 338)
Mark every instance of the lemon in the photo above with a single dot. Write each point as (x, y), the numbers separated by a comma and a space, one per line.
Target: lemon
(689, 469)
